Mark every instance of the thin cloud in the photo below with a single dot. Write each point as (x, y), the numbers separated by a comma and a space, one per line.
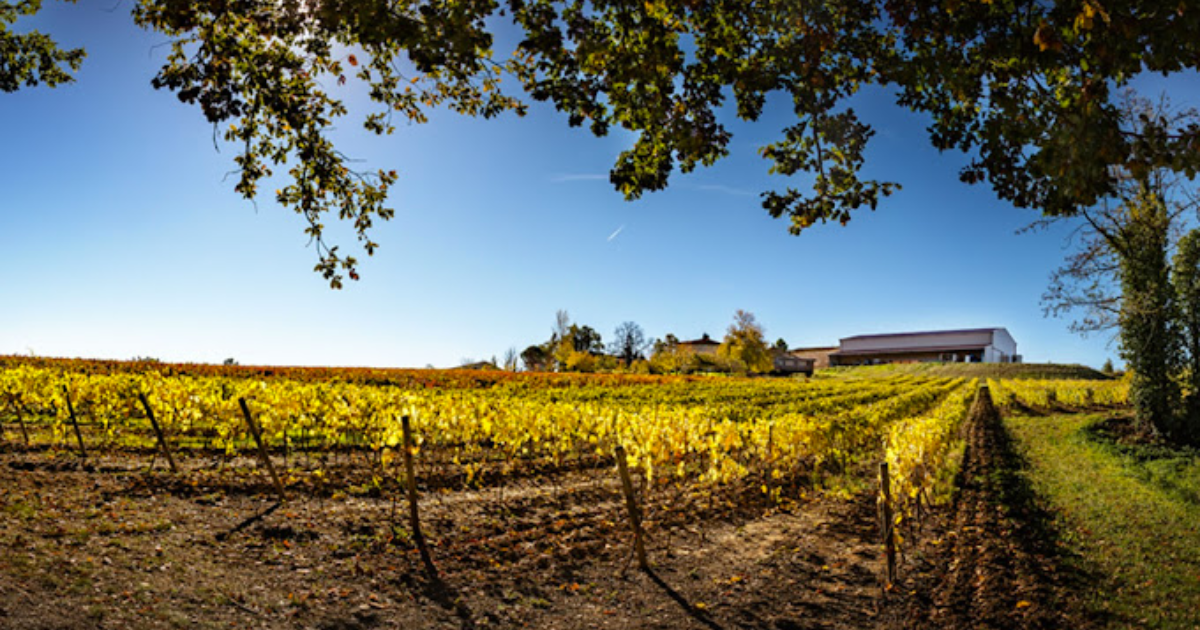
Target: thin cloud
(614, 234)
(579, 177)
(728, 190)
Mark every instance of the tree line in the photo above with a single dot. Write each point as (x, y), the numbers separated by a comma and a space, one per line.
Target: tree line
(574, 347)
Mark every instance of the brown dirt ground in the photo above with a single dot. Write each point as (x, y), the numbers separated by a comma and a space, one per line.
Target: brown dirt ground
(117, 544)
(994, 560)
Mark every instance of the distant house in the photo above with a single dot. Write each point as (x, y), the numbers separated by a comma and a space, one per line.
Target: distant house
(818, 356)
(478, 365)
(978, 345)
(785, 363)
(703, 345)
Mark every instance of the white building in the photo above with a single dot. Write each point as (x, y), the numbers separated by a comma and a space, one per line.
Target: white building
(979, 345)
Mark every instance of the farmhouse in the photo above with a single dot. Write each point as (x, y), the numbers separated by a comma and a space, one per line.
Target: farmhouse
(703, 345)
(979, 345)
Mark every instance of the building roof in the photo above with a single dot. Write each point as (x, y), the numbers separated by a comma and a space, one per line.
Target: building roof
(911, 350)
(703, 341)
(927, 332)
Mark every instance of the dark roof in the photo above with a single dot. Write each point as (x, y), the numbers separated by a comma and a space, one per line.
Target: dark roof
(913, 350)
(703, 341)
(927, 332)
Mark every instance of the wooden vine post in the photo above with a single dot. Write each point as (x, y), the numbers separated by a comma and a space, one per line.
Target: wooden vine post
(414, 519)
(16, 405)
(887, 524)
(262, 450)
(74, 422)
(631, 505)
(162, 440)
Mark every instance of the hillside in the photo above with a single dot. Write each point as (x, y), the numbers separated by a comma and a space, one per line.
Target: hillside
(971, 370)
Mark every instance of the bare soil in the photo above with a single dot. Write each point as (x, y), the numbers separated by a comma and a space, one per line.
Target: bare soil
(994, 560)
(117, 542)
(112, 544)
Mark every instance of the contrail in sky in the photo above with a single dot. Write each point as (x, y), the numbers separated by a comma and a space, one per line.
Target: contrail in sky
(614, 234)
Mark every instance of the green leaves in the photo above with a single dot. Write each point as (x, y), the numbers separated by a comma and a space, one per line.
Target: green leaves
(1024, 87)
(832, 147)
(264, 68)
(32, 58)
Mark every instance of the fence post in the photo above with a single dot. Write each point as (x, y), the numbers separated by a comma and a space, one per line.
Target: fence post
(74, 422)
(262, 450)
(888, 523)
(16, 405)
(162, 440)
(414, 520)
(631, 505)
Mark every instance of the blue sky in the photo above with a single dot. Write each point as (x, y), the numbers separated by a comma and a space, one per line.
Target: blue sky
(125, 239)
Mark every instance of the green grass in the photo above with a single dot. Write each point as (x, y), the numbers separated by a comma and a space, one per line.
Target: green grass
(1129, 512)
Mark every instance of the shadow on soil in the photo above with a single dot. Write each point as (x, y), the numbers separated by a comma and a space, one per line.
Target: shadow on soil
(692, 611)
(996, 560)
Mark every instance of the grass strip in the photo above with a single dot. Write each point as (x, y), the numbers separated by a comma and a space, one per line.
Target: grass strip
(1138, 533)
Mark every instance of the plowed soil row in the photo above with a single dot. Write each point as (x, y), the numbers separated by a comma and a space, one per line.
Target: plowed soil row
(112, 545)
(994, 561)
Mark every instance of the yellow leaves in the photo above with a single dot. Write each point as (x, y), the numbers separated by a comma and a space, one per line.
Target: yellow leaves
(1087, 14)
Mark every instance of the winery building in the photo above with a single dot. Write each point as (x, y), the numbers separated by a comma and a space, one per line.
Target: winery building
(978, 345)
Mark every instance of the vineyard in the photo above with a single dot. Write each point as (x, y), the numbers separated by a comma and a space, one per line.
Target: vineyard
(312, 477)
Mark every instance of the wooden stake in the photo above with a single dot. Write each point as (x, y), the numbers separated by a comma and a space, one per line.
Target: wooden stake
(414, 519)
(16, 405)
(631, 505)
(889, 532)
(162, 440)
(74, 422)
(262, 450)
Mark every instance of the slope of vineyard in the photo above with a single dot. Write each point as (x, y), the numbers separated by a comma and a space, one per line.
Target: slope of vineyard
(741, 484)
(973, 370)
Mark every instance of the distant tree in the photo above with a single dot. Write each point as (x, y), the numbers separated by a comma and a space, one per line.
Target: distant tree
(745, 344)
(1108, 367)
(673, 360)
(562, 324)
(536, 359)
(577, 340)
(230, 361)
(669, 342)
(629, 343)
(576, 361)
(511, 357)
(781, 345)
(585, 339)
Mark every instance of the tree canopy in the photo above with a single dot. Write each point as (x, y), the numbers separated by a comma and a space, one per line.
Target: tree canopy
(745, 346)
(1024, 87)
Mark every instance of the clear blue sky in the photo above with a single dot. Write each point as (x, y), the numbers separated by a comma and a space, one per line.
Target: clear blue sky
(124, 239)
